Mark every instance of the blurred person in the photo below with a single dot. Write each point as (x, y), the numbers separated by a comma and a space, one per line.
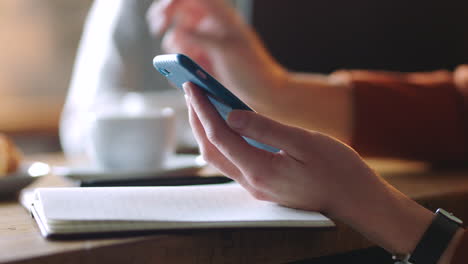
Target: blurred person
(415, 116)
(358, 107)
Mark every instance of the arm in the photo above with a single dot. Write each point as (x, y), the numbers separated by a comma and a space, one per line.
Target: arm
(400, 115)
(358, 107)
(215, 36)
(381, 114)
(311, 172)
(114, 57)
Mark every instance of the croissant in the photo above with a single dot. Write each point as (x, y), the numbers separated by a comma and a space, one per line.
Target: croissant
(10, 156)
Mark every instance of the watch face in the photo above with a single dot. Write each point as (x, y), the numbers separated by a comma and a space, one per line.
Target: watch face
(449, 216)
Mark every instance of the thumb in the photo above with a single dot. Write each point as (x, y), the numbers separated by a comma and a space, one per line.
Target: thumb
(255, 126)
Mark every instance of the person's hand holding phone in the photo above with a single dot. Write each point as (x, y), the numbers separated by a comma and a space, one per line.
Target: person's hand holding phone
(312, 172)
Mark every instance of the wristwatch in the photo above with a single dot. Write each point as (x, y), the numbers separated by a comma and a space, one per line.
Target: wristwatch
(434, 241)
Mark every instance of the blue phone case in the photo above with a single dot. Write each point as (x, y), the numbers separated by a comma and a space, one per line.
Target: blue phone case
(179, 69)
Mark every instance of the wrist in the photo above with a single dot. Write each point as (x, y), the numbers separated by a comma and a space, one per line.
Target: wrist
(414, 220)
(385, 216)
(265, 91)
(390, 219)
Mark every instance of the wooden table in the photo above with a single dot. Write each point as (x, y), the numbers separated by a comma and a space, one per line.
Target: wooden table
(20, 241)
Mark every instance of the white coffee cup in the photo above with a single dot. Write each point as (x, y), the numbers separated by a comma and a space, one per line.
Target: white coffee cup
(146, 101)
(140, 141)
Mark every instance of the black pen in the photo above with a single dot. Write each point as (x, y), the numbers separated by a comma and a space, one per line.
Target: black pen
(162, 181)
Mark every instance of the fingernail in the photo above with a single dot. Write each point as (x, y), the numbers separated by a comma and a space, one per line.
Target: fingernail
(186, 88)
(236, 120)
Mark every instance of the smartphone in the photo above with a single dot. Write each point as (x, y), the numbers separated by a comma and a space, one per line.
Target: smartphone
(179, 69)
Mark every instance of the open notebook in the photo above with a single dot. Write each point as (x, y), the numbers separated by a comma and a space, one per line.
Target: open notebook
(62, 212)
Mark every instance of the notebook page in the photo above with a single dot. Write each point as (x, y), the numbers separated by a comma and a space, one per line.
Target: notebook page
(208, 203)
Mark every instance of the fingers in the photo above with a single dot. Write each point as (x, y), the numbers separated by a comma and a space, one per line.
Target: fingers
(265, 130)
(160, 15)
(250, 160)
(164, 12)
(210, 153)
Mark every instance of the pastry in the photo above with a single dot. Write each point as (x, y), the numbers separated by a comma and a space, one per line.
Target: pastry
(10, 156)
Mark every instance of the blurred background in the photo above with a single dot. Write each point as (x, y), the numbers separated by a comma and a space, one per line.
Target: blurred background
(38, 43)
(398, 35)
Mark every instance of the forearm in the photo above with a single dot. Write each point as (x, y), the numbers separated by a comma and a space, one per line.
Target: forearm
(312, 101)
(361, 108)
(416, 109)
(390, 219)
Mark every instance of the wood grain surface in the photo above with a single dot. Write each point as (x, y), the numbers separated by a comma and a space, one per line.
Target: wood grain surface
(20, 241)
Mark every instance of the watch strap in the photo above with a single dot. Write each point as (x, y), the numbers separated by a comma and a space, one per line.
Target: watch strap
(435, 240)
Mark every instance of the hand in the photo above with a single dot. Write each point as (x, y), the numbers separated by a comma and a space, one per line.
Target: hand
(311, 172)
(213, 34)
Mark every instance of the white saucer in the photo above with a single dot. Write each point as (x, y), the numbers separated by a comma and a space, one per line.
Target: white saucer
(177, 165)
(27, 173)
